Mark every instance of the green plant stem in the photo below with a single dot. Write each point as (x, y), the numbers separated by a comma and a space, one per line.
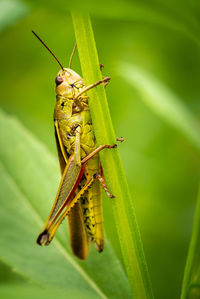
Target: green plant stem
(127, 228)
(191, 280)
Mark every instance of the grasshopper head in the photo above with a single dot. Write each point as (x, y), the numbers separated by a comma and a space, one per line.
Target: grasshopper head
(68, 83)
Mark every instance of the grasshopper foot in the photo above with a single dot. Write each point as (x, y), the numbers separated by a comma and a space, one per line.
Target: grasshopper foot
(101, 66)
(103, 184)
(121, 139)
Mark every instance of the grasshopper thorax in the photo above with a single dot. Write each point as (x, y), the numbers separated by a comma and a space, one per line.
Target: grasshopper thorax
(68, 83)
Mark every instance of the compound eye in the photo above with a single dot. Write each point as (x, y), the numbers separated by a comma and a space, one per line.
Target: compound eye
(59, 80)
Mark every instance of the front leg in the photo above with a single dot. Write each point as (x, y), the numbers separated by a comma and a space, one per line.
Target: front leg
(104, 80)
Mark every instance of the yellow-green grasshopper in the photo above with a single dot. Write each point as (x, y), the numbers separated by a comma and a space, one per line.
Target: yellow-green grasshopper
(79, 193)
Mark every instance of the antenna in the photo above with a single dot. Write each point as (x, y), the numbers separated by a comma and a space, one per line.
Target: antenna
(48, 50)
(70, 60)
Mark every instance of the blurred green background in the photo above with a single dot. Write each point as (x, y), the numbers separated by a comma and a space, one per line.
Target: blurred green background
(160, 39)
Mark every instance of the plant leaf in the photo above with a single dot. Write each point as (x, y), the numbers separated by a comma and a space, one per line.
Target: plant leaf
(124, 215)
(161, 100)
(29, 178)
(31, 291)
(191, 280)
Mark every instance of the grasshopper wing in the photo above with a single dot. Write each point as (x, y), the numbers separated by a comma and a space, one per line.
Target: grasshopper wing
(60, 148)
(78, 236)
(64, 201)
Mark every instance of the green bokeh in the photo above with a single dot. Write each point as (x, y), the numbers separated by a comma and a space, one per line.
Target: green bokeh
(162, 167)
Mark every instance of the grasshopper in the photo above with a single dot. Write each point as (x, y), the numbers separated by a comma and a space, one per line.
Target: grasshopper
(79, 192)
